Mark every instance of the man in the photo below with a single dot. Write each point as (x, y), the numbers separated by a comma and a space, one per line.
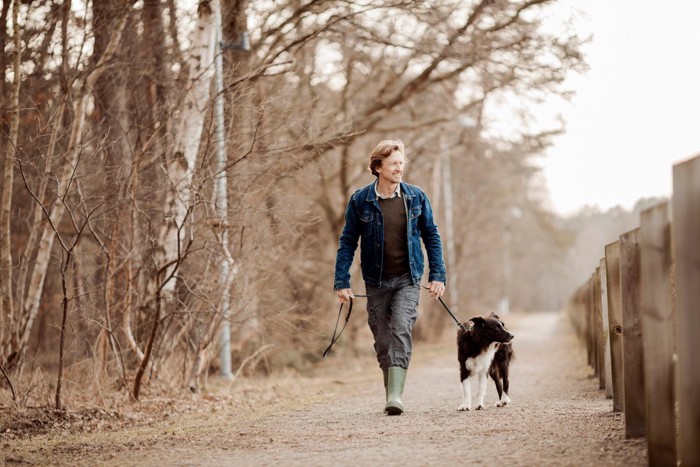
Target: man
(390, 217)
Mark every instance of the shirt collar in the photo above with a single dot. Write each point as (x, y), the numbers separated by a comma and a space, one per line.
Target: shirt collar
(396, 194)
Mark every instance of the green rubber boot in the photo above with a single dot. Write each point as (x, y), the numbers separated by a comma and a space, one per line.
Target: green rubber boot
(386, 383)
(395, 383)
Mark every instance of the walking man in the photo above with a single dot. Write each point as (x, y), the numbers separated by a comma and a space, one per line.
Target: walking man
(390, 217)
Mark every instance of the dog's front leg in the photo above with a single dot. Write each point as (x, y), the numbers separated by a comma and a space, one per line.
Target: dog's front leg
(466, 394)
(481, 391)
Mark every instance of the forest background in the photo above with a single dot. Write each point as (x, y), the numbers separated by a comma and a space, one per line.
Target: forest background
(175, 169)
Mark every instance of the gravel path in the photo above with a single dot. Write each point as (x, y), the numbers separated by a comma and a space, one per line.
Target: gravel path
(558, 417)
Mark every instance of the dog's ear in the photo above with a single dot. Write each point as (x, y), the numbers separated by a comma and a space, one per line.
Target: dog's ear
(494, 315)
(478, 321)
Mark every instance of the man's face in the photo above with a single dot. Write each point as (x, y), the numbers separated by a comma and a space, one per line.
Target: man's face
(392, 167)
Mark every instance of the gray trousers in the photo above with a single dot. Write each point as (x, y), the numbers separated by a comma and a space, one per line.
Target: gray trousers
(391, 314)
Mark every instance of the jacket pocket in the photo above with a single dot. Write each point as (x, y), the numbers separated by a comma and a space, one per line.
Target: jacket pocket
(366, 218)
(415, 212)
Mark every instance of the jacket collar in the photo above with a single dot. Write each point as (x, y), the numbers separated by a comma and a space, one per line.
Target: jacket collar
(372, 192)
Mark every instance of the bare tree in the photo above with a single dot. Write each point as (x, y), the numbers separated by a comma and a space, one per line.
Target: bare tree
(6, 266)
(180, 167)
(26, 316)
(68, 245)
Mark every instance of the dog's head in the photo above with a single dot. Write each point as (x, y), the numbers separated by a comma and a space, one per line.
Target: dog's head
(495, 316)
(490, 329)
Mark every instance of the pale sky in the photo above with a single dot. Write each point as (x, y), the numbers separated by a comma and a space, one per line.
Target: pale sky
(636, 111)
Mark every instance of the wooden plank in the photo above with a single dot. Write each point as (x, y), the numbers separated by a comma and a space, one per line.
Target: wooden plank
(593, 323)
(600, 363)
(658, 334)
(606, 328)
(633, 349)
(589, 325)
(686, 246)
(612, 273)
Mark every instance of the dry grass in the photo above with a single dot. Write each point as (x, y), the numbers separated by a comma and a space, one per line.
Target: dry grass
(95, 426)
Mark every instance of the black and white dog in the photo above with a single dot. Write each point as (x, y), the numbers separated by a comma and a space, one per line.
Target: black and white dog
(483, 348)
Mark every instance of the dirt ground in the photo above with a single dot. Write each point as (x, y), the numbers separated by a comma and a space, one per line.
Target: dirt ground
(558, 417)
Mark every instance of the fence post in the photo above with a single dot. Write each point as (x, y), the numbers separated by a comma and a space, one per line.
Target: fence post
(612, 273)
(592, 324)
(587, 309)
(598, 314)
(634, 400)
(606, 328)
(686, 246)
(658, 334)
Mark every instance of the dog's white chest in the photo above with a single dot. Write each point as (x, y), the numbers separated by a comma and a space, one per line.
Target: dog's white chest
(482, 362)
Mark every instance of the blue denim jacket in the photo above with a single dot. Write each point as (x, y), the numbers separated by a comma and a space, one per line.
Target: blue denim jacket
(364, 220)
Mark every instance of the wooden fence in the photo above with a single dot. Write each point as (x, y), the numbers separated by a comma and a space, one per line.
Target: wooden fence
(639, 316)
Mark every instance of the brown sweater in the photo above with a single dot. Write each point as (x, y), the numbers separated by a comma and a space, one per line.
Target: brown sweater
(395, 237)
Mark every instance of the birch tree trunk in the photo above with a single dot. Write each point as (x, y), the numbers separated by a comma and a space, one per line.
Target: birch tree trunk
(180, 166)
(3, 57)
(36, 284)
(6, 303)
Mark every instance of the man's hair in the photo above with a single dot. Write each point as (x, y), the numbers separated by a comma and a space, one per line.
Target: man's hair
(383, 150)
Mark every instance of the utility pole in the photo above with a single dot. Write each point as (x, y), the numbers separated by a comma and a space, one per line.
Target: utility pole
(221, 202)
(227, 265)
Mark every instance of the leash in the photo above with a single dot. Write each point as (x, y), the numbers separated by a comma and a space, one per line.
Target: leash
(454, 318)
(335, 338)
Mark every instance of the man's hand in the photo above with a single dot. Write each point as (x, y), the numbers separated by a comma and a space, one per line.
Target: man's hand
(436, 289)
(345, 295)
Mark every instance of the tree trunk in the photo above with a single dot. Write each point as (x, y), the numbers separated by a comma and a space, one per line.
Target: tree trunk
(114, 123)
(3, 56)
(57, 123)
(149, 349)
(180, 170)
(6, 302)
(154, 35)
(36, 285)
(203, 346)
(180, 165)
(64, 317)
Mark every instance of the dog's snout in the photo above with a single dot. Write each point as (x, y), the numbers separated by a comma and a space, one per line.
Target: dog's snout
(507, 336)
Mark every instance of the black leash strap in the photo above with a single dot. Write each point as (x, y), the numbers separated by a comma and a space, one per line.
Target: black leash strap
(448, 310)
(335, 338)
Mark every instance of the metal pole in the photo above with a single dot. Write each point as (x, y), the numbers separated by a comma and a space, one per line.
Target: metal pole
(221, 202)
(449, 221)
(505, 299)
(513, 214)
